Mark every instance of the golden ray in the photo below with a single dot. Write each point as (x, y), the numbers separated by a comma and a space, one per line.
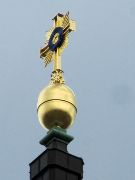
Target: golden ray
(48, 34)
(48, 58)
(72, 25)
(64, 44)
(65, 21)
(44, 51)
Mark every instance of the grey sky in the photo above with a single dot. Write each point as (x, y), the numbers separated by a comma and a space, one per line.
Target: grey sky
(99, 66)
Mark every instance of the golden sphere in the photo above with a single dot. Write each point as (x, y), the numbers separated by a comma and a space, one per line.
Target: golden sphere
(56, 106)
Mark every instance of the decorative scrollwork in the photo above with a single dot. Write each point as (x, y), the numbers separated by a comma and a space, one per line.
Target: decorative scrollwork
(57, 77)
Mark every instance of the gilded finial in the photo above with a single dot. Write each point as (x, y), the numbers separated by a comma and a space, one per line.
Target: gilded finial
(57, 103)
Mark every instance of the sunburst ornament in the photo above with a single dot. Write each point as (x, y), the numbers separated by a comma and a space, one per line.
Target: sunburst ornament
(57, 39)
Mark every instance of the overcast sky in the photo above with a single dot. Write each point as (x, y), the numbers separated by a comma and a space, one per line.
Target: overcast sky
(99, 66)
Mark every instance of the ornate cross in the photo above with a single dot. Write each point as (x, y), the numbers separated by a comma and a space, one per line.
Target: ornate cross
(57, 40)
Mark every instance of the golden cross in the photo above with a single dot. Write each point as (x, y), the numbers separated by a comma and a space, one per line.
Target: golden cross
(57, 39)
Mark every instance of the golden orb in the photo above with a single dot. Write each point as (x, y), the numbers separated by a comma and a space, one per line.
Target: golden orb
(56, 106)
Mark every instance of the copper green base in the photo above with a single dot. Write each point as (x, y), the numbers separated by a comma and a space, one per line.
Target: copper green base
(56, 138)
